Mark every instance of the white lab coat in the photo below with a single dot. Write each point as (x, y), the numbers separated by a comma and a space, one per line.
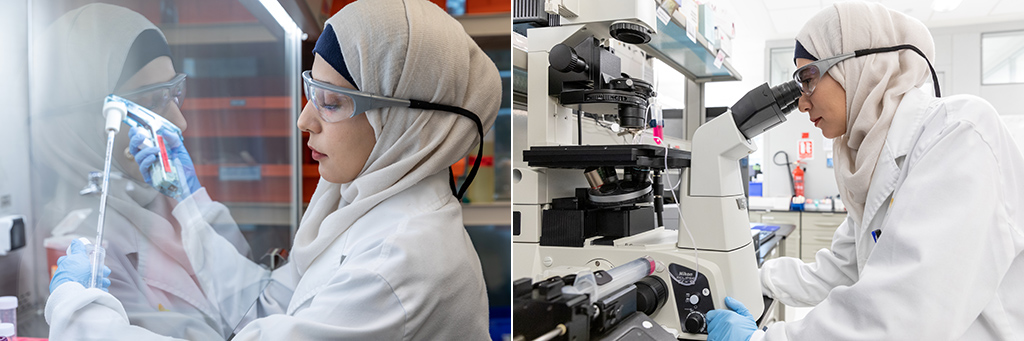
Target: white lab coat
(406, 270)
(948, 264)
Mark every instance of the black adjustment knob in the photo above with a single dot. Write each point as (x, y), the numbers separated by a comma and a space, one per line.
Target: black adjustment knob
(630, 33)
(564, 59)
(694, 323)
(651, 294)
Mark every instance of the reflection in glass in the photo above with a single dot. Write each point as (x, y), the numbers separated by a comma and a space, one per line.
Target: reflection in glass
(236, 125)
(86, 54)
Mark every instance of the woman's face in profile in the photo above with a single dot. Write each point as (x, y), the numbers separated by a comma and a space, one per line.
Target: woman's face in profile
(826, 106)
(158, 70)
(341, 148)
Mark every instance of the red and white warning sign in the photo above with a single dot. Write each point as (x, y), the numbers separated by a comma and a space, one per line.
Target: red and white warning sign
(805, 148)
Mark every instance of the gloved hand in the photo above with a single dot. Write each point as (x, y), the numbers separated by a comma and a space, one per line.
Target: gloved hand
(728, 325)
(76, 267)
(145, 157)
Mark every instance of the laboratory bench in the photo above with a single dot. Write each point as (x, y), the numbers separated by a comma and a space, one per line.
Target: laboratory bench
(767, 249)
(813, 230)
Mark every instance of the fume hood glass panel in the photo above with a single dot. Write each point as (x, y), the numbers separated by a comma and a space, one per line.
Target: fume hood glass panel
(237, 122)
(1002, 58)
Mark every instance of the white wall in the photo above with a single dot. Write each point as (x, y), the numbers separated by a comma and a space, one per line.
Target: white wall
(748, 60)
(958, 59)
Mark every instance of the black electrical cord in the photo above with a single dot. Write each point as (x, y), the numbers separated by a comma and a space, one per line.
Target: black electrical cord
(789, 168)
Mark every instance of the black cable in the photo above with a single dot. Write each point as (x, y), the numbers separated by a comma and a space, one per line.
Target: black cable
(789, 168)
(414, 104)
(935, 78)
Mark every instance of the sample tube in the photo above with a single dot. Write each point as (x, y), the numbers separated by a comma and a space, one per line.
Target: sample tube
(6, 332)
(626, 274)
(8, 313)
(614, 279)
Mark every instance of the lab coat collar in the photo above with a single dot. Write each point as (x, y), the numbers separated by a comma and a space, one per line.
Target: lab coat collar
(161, 260)
(906, 122)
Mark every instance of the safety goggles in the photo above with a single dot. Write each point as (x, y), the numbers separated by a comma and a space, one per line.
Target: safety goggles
(156, 96)
(335, 103)
(807, 76)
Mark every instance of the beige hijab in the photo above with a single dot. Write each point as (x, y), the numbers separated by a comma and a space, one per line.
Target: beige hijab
(405, 49)
(874, 84)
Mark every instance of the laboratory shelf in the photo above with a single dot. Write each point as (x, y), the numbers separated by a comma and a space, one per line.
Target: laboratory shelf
(484, 25)
(696, 60)
(249, 102)
(220, 117)
(487, 213)
(255, 183)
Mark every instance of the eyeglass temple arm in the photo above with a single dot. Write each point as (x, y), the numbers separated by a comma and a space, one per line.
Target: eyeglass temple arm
(935, 78)
(414, 104)
(366, 102)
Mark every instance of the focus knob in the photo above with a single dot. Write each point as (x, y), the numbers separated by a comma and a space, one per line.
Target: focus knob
(651, 294)
(564, 59)
(694, 323)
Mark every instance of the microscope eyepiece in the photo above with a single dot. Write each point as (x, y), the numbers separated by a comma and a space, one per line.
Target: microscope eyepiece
(786, 95)
(765, 107)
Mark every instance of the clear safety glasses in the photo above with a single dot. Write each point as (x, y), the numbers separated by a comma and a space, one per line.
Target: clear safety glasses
(156, 96)
(335, 103)
(807, 76)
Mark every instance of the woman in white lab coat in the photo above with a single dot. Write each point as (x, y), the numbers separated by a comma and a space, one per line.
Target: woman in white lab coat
(932, 245)
(80, 58)
(381, 252)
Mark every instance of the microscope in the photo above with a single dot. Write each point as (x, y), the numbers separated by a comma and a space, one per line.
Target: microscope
(586, 202)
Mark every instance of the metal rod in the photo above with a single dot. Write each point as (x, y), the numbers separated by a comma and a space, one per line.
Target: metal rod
(558, 331)
(579, 124)
(659, 200)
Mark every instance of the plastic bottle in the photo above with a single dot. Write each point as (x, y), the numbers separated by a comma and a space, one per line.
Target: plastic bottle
(6, 332)
(8, 312)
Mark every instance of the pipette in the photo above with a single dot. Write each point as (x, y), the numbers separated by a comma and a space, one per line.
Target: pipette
(114, 113)
(164, 174)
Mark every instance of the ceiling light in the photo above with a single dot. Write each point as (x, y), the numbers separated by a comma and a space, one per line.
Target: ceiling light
(281, 16)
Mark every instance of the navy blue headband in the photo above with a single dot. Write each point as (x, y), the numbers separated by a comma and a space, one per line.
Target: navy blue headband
(328, 49)
(801, 52)
(148, 45)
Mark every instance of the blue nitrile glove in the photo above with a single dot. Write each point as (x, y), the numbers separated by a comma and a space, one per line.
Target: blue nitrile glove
(175, 151)
(75, 267)
(731, 325)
